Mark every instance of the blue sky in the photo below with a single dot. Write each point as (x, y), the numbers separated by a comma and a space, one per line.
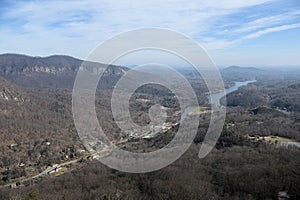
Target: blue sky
(234, 32)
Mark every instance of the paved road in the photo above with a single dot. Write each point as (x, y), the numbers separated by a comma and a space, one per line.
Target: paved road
(104, 152)
(43, 173)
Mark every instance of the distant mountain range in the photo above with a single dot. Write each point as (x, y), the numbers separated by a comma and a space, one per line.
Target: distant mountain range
(55, 71)
(238, 68)
(59, 71)
(237, 73)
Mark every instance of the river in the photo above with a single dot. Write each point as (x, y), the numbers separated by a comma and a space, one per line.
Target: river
(214, 98)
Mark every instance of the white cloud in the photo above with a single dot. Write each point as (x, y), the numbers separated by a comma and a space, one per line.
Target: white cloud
(234, 4)
(271, 30)
(76, 27)
(267, 21)
(116, 16)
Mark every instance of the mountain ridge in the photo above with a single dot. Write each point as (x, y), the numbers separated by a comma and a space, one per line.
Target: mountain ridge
(54, 71)
(235, 67)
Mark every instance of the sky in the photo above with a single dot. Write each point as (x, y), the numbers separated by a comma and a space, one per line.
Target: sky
(233, 32)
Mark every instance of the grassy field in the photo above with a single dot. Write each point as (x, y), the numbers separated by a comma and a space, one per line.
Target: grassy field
(199, 110)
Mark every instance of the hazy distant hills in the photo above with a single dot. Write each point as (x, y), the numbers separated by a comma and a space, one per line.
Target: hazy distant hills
(238, 73)
(55, 71)
(59, 71)
(244, 69)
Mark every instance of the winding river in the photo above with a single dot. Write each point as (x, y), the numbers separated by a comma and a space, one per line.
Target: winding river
(214, 98)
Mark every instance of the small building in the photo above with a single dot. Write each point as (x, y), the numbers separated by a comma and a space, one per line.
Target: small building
(81, 150)
(13, 185)
(283, 195)
(13, 145)
(21, 165)
(55, 169)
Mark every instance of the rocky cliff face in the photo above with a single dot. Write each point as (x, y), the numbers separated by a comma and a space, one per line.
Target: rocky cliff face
(49, 72)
